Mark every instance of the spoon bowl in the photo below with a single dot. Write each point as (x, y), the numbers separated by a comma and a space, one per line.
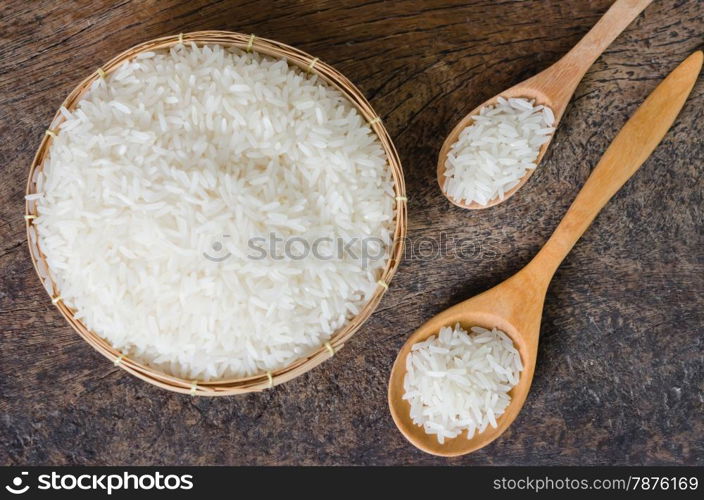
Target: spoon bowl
(552, 88)
(523, 90)
(515, 306)
(467, 314)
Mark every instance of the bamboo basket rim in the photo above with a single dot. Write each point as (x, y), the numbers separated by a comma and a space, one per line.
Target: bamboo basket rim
(261, 381)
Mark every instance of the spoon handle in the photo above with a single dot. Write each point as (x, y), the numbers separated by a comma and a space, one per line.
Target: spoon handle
(611, 25)
(628, 151)
(573, 66)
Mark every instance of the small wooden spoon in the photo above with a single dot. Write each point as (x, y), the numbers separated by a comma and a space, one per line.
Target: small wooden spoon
(552, 87)
(515, 306)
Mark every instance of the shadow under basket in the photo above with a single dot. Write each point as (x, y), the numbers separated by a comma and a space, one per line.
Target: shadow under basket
(261, 381)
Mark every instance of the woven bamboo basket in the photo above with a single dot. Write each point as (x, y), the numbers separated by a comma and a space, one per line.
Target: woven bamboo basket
(264, 380)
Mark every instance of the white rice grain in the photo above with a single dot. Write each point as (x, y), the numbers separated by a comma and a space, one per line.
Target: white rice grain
(458, 381)
(493, 153)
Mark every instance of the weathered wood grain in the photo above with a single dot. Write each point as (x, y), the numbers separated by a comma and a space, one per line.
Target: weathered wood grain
(620, 377)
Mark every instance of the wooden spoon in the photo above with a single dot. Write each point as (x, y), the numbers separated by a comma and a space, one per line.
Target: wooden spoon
(552, 87)
(515, 306)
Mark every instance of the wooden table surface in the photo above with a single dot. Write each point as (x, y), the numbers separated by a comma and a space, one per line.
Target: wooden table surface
(620, 377)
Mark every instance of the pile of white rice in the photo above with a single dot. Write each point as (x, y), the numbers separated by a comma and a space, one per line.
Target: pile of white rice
(458, 381)
(493, 153)
(189, 153)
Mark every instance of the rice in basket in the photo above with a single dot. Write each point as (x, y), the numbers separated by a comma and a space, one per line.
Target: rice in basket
(181, 200)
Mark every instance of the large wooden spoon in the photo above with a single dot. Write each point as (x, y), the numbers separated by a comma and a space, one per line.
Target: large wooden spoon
(552, 87)
(515, 306)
